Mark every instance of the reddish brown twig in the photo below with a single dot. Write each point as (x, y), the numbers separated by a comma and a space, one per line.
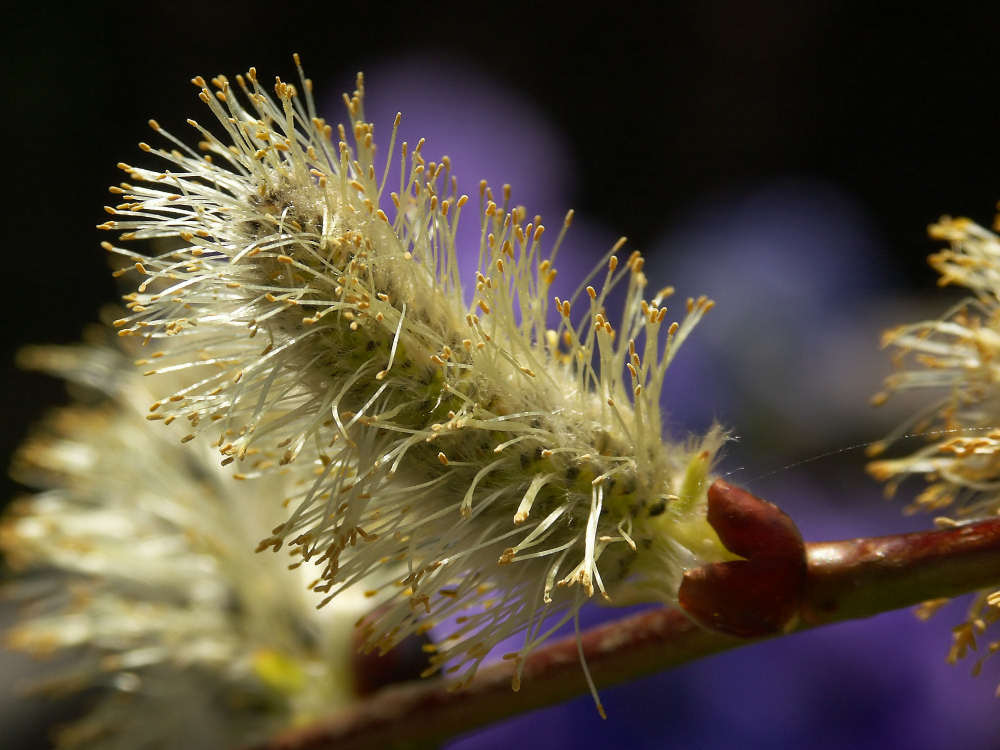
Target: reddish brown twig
(782, 585)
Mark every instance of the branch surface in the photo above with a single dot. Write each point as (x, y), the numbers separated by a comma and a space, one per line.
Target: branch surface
(782, 585)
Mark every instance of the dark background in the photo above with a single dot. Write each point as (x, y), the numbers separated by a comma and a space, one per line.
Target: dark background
(893, 109)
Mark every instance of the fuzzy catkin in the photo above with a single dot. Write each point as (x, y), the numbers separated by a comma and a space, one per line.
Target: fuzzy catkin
(952, 362)
(953, 359)
(485, 469)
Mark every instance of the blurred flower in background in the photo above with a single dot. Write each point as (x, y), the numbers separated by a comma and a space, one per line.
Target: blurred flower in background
(136, 566)
(797, 272)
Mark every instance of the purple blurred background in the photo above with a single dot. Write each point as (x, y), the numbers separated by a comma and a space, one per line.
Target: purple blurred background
(783, 161)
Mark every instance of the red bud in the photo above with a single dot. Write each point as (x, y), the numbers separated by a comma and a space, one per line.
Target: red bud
(758, 596)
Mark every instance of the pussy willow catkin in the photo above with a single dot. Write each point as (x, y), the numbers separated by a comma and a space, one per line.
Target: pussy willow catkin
(953, 361)
(487, 470)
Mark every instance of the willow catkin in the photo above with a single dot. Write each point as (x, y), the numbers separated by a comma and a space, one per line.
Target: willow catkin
(486, 469)
(951, 361)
